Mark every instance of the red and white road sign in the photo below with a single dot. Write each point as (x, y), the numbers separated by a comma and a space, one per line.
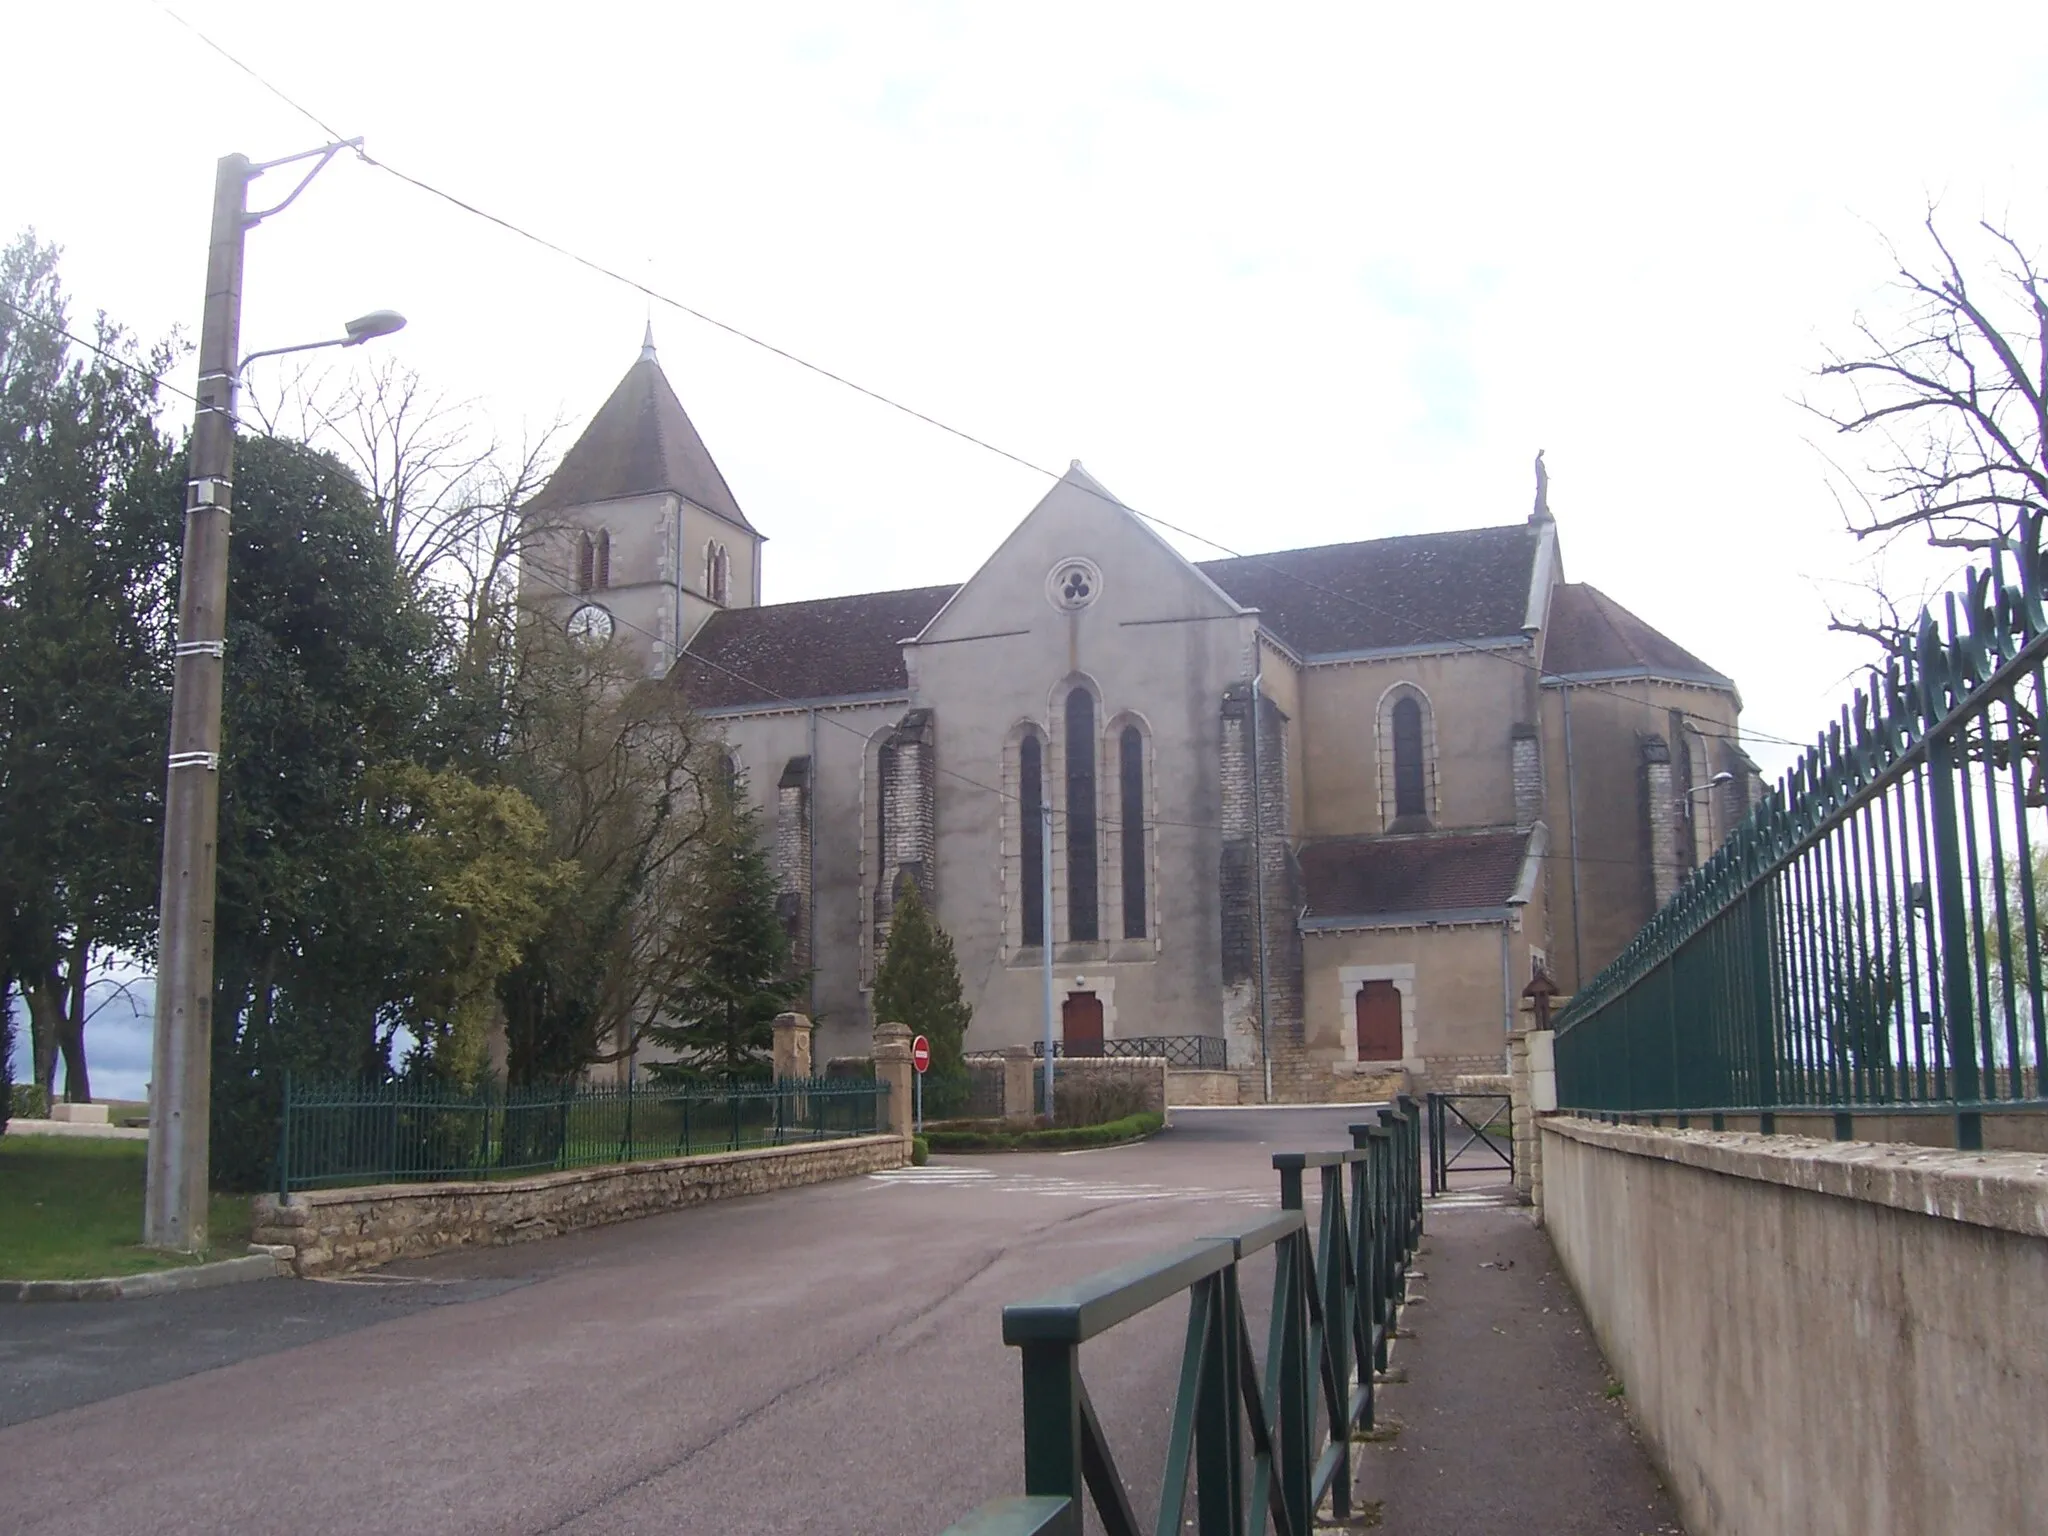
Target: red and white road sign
(921, 1053)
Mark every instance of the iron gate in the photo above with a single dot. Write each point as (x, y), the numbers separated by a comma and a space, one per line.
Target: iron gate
(1484, 1122)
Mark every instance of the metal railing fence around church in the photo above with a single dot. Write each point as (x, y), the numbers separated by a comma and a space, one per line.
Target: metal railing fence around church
(1871, 938)
(336, 1134)
(1200, 1052)
(1257, 1439)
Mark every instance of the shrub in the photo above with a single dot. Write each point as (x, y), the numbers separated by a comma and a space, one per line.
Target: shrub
(28, 1102)
(1094, 1097)
(920, 1151)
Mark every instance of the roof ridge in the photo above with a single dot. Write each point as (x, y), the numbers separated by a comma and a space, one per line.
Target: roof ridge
(1519, 529)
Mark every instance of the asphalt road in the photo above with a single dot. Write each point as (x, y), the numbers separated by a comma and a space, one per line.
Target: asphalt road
(821, 1360)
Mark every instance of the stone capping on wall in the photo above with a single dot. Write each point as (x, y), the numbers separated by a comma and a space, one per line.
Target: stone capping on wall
(329, 1231)
(2006, 1191)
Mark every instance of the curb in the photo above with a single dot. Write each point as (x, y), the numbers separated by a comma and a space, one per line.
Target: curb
(259, 1265)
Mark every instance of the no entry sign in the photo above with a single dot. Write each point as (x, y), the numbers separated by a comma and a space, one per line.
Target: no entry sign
(921, 1053)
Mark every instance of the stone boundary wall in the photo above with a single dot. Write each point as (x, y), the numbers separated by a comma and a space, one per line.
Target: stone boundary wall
(330, 1231)
(1194, 1088)
(1816, 1336)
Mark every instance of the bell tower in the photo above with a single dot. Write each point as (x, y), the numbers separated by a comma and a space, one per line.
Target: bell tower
(636, 533)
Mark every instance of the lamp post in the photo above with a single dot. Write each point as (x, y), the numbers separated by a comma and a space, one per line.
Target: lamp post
(174, 1203)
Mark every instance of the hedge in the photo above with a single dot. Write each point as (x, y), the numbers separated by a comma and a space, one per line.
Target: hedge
(1061, 1138)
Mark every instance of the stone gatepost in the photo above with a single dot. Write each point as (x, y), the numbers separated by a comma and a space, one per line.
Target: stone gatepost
(1532, 1068)
(792, 1046)
(892, 1066)
(1020, 1082)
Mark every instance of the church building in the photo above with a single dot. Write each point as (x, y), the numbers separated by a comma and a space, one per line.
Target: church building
(1320, 814)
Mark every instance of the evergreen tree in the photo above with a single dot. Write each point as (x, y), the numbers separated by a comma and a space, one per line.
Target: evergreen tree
(721, 1017)
(919, 985)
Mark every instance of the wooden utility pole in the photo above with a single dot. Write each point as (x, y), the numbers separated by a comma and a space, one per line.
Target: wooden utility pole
(174, 1209)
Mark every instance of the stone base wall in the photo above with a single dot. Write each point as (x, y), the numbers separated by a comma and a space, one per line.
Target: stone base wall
(1191, 1088)
(329, 1231)
(1834, 1338)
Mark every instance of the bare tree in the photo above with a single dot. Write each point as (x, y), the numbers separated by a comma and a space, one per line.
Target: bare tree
(1951, 399)
(446, 487)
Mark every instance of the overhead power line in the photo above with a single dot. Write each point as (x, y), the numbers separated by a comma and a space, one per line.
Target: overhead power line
(520, 231)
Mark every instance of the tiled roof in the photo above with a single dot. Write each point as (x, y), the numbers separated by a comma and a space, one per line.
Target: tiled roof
(1381, 876)
(1591, 632)
(641, 440)
(1418, 589)
(827, 649)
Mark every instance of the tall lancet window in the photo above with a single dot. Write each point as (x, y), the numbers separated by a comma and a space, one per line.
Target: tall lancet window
(1409, 796)
(1131, 784)
(586, 563)
(717, 572)
(1031, 813)
(1083, 924)
(604, 558)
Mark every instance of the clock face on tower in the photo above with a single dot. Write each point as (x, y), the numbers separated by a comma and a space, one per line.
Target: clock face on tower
(590, 623)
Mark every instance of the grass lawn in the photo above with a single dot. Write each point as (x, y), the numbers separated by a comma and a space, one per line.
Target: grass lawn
(71, 1209)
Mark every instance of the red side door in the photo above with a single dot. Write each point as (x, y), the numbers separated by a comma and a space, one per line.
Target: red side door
(1379, 1022)
(1081, 1024)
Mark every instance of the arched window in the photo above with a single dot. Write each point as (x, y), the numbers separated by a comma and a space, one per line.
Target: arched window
(717, 572)
(1131, 784)
(604, 558)
(1405, 738)
(1410, 797)
(586, 563)
(1083, 924)
(1031, 816)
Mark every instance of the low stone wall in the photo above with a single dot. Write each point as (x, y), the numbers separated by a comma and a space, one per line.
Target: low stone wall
(332, 1230)
(1186, 1086)
(1835, 1338)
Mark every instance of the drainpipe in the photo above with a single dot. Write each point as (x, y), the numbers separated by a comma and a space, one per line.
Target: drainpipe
(1259, 882)
(1571, 801)
(1507, 973)
(811, 858)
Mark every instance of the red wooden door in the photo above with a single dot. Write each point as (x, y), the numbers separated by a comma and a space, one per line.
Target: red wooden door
(1379, 1021)
(1081, 1024)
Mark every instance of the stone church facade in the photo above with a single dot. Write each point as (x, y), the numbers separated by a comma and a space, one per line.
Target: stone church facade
(1330, 808)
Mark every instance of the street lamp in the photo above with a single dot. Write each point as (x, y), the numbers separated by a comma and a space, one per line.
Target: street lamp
(174, 1199)
(1705, 789)
(378, 322)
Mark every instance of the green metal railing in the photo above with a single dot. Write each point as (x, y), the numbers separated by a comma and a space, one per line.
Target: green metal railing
(374, 1133)
(1266, 1440)
(1871, 937)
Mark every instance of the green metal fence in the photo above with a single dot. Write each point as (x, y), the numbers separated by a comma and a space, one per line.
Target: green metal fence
(1265, 1439)
(374, 1133)
(1871, 937)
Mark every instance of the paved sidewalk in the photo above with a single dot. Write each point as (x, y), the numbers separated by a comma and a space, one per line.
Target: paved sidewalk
(1504, 1419)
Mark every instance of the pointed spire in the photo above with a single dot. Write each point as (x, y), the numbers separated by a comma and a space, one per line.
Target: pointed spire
(647, 343)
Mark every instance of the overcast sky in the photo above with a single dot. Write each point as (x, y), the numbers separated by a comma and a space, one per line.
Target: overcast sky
(1285, 275)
